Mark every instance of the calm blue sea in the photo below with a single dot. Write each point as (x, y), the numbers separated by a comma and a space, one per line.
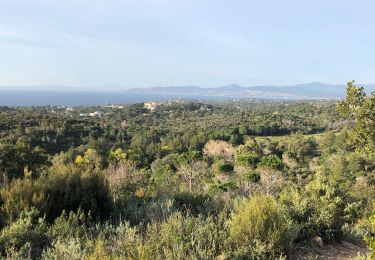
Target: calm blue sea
(43, 98)
(84, 98)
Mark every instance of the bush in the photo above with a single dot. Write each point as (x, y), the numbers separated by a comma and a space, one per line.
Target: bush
(271, 161)
(219, 187)
(226, 168)
(319, 208)
(260, 220)
(71, 189)
(186, 237)
(247, 159)
(66, 249)
(195, 204)
(251, 176)
(26, 235)
(370, 238)
(65, 188)
(72, 225)
(20, 194)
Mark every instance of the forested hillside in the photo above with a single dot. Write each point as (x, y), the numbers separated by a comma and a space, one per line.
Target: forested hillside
(187, 180)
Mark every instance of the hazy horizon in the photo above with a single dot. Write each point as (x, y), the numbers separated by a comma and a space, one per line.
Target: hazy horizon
(132, 44)
(63, 88)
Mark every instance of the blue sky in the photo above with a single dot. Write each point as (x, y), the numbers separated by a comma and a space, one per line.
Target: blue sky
(141, 43)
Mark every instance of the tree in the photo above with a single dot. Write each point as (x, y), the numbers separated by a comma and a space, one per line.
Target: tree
(116, 156)
(270, 179)
(190, 168)
(361, 108)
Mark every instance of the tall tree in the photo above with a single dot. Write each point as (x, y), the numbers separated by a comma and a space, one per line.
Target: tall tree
(361, 108)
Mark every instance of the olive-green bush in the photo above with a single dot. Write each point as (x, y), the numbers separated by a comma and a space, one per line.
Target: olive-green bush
(261, 221)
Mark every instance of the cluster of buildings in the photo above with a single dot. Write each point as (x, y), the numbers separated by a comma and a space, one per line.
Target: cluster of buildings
(97, 114)
(114, 106)
(152, 106)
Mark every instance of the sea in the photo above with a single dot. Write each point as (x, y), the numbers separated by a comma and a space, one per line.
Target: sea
(74, 98)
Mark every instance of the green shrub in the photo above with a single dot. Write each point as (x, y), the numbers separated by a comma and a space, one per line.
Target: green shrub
(226, 168)
(271, 161)
(260, 221)
(195, 204)
(71, 189)
(65, 188)
(219, 187)
(247, 159)
(26, 235)
(71, 248)
(21, 194)
(187, 237)
(370, 238)
(318, 209)
(251, 176)
(72, 225)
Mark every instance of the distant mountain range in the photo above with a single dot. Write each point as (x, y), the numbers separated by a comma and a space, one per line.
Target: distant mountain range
(301, 91)
(73, 96)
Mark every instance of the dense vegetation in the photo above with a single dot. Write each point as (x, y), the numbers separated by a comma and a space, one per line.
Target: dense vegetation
(230, 180)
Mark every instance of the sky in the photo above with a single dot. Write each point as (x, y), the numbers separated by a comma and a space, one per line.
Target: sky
(142, 43)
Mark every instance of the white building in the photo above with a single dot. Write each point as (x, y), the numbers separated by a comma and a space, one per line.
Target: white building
(98, 114)
(69, 110)
(115, 106)
(151, 105)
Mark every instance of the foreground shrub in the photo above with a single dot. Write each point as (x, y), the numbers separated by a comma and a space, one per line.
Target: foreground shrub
(187, 237)
(65, 188)
(72, 248)
(72, 225)
(259, 223)
(370, 238)
(19, 195)
(26, 236)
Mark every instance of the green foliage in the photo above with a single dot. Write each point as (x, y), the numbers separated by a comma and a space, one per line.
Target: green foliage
(195, 204)
(19, 195)
(370, 238)
(27, 234)
(65, 188)
(251, 146)
(72, 248)
(300, 148)
(247, 159)
(226, 168)
(178, 236)
(71, 225)
(260, 220)
(271, 161)
(319, 209)
(116, 156)
(70, 189)
(26, 157)
(362, 109)
(251, 176)
(162, 185)
(219, 187)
